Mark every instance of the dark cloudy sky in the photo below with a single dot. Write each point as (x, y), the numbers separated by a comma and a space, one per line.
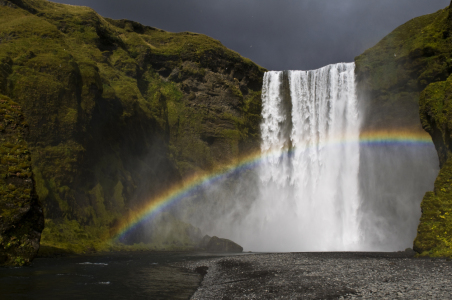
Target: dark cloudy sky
(276, 34)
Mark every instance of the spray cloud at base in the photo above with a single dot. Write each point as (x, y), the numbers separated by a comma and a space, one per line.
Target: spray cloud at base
(327, 186)
(309, 200)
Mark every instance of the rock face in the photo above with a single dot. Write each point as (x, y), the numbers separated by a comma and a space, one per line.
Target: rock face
(204, 241)
(21, 216)
(405, 76)
(217, 244)
(435, 229)
(118, 111)
(392, 74)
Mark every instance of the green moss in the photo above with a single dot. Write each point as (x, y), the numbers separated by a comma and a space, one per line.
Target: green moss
(434, 236)
(234, 89)
(103, 112)
(70, 119)
(69, 234)
(16, 189)
(99, 206)
(41, 188)
(393, 73)
(432, 105)
(435, 229)
(118, 196)
(192, 70)
(408, 73)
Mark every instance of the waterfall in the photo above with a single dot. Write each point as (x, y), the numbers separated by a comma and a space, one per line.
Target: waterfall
(309, 192)
(317, 188)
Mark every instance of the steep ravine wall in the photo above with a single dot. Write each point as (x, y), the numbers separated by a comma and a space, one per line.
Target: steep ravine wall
(404, 78)
(111, 112)
(21, 216)
(118, 111)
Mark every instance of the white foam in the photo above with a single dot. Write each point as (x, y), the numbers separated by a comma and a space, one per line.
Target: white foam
(309, 197)
(90, 263)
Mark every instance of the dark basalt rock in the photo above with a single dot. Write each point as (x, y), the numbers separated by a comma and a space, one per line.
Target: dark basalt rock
(217, 244)
(204, 241)
(119, 112)
(21, 216)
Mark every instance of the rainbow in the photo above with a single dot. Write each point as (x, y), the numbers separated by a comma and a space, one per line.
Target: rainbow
(190, 185)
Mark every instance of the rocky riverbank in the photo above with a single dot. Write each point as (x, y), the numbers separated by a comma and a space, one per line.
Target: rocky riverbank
(346, 275)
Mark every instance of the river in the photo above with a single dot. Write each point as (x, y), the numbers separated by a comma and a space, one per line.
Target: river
(129, 275)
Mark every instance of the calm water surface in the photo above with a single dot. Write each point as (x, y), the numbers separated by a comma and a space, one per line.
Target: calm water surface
(132, 275)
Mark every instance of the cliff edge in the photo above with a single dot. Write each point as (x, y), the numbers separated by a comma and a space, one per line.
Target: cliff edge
(118, 111)
(404, 78)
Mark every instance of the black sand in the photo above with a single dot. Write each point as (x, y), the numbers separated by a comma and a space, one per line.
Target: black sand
(346, 275)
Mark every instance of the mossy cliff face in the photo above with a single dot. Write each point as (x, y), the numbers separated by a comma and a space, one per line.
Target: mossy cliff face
(21, 216)
(402, 78)
(118, 111)
(391, 75)
(435, 230)
(216, 115)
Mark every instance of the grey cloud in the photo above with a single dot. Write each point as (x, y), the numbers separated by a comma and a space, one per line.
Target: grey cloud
(277, 34)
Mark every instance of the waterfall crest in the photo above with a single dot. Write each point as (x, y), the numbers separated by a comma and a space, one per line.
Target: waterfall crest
(309, 179)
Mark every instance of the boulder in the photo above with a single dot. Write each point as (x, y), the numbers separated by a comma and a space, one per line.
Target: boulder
(217, 244)
(204, 241)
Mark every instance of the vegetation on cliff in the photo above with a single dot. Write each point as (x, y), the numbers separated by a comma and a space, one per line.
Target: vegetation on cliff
(21, 216)
(391, 74)
(435, 230)
(118, 111)
(406, 74)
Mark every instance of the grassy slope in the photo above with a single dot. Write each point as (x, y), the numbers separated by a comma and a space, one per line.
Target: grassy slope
(107, 129)
(392, 73)
(407, 74)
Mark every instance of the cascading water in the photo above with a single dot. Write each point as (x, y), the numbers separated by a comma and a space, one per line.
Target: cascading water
(309, 180)
(317, 187)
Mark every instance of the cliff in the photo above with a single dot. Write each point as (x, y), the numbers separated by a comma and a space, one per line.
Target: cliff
(21, 216)
(100, 115)
(118, 111)
(404, 78)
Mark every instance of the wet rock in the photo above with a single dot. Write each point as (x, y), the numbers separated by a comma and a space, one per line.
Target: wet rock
(217, 244)
(204, 241)
(410, 251)
(202, 270)
(21, 216)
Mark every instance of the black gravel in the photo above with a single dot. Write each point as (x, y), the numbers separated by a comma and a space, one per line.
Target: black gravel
(330, 275)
